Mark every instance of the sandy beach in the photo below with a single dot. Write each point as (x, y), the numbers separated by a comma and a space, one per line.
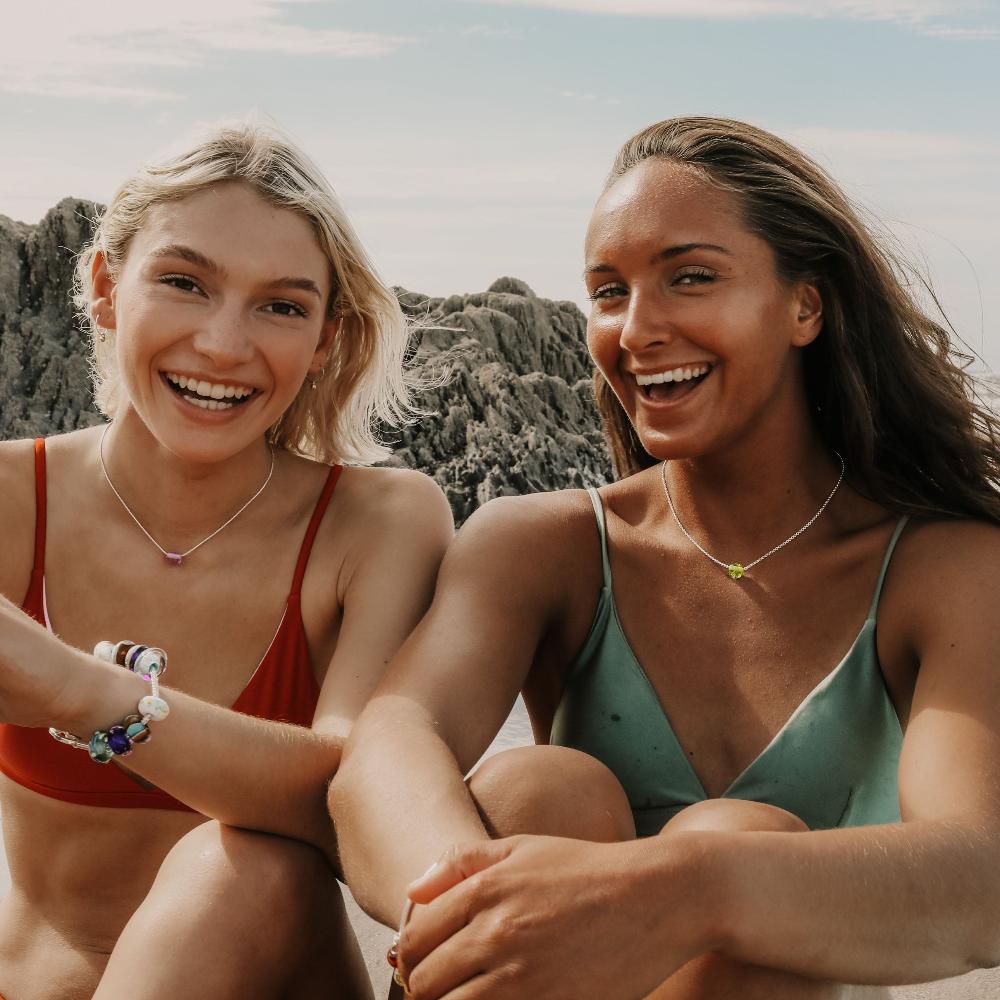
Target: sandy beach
(516, 732)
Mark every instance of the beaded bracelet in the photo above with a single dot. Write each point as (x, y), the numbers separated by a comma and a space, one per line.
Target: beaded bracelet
(119, 740)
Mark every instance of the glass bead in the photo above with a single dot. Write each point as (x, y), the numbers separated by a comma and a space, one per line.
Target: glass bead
(105, 650)
(118, 741)
(99, 750)
(138, 733)
(156, 708)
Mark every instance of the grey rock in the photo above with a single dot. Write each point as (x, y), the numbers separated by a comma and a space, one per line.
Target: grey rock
(44, 383)
(510, 409)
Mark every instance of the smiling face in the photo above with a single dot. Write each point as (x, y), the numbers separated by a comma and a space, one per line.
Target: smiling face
(220, 311)
(693, 329)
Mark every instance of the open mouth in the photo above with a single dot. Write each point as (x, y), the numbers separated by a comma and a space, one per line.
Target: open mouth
(671, 386)
(209, 395)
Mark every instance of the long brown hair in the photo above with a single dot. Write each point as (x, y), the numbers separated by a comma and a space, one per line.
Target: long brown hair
(888, 389)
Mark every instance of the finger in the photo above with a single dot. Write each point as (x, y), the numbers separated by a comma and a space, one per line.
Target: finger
(456, 865)
(432, 925)
(456, 961)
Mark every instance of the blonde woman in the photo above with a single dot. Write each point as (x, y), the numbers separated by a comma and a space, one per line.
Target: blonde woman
(163, 839)
(764, 659)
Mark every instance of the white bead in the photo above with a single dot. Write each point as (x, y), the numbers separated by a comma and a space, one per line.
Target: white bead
(156, 708)
(105, 650)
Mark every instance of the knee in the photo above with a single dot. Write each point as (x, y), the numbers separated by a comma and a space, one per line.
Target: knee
(551, 790)
(244, 871)
(735, 815)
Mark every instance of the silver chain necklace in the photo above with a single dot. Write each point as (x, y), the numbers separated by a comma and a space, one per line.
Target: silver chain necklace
(176, 558)
(737, 570)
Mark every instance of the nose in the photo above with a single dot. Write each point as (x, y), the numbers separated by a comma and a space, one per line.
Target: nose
(223, 338)
(646, 322)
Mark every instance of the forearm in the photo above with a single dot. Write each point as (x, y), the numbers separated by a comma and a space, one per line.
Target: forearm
(398, 802)
(240, 770)
(889, 904)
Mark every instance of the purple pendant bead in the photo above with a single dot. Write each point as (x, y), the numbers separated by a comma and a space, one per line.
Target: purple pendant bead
(119, 742)
(173, 558)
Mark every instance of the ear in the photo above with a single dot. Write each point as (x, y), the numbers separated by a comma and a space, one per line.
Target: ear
(808, 317)
(327, 335)
(102, 293)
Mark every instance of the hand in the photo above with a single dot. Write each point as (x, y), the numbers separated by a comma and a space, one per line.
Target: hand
(546, 918)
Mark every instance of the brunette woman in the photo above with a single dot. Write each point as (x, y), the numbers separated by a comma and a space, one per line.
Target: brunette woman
(763, 660)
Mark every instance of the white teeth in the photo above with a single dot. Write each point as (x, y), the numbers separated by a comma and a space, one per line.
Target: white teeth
(673, 375)
(209, 404)
(209, 390)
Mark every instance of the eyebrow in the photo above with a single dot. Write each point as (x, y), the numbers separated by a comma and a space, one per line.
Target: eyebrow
(193, 256)
(189, 254)
(665, 254)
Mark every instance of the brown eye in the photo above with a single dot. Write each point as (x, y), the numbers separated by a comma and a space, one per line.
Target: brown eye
(607, 290)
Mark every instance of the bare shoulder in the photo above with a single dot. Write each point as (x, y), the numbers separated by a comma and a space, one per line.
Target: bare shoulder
(17, 516)
(393, 500)
(943, 577)
(545, 539)
(941, 554)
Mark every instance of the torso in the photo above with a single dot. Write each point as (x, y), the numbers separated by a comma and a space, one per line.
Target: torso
(215, 616)
(728, 662)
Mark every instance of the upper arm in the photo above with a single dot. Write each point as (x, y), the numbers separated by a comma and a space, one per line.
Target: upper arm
(17, 517)
(950, 766)
(462, 668)
(402, 529)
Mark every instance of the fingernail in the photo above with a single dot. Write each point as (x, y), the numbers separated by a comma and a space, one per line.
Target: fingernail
(433, 870)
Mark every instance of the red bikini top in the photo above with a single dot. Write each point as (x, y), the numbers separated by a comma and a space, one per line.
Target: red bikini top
(282, 688)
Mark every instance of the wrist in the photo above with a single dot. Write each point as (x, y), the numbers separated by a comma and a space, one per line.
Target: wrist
(95, 695)
(695, 880)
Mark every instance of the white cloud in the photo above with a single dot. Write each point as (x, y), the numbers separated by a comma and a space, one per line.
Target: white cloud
(961, 34)
(62, 49)
(912, 12)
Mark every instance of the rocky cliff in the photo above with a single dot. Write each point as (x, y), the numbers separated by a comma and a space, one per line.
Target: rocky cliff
(516, 414)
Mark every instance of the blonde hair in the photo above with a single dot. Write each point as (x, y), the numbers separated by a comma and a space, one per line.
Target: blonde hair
(364, 381)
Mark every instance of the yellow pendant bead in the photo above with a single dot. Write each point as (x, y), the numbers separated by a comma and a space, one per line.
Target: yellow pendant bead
(735, 571)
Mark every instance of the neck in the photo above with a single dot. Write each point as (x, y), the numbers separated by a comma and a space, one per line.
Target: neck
(752, 495)
(177, 500)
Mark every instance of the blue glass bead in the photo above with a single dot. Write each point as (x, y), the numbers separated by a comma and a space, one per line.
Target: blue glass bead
(100, 752)
(138, 733)
(118, 741)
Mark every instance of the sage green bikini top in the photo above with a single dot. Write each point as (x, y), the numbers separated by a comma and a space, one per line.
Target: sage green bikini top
(832, 764)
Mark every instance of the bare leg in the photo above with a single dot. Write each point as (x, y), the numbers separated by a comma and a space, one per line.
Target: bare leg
(238, 914)
(562, 792)
(713, 975)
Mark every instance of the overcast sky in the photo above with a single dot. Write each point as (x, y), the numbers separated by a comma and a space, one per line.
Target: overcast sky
(469, 138)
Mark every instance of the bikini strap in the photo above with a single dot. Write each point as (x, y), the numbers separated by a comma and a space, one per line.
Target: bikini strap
(595, 499)
(310, 536)
(40, 508)
(897, 531)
